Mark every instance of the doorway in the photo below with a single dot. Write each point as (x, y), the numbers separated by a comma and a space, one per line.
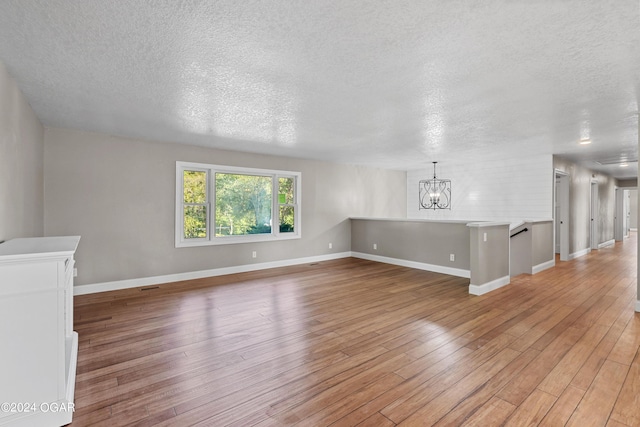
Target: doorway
(622, 222)
(561, 214)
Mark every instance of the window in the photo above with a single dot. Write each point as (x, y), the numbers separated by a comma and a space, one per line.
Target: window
(195, 204)
(224, 204)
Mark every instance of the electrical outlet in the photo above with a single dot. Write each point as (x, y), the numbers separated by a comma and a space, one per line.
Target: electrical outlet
(330, 245)
(485, 237)
(452, 257)
(75, 272)
(375, 246)
(254, 254)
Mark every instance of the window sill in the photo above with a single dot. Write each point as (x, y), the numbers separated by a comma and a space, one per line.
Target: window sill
(233, 240)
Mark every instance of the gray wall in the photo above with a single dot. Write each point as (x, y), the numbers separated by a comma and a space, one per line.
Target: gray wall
(531, 248)
(633, 208)
(21, 163)
(119, 195)
(542, 242)
(520, 248)
(580, 204)
(429, 242)
(490, 258)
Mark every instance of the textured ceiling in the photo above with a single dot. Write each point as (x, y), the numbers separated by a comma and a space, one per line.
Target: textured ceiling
(394, 84)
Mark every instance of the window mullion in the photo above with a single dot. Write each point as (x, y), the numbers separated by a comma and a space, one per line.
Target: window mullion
(275, 206)
(211, 194)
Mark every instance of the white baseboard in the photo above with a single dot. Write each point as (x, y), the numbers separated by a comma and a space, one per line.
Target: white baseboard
(638, 306)
(579, 253)
(414, 264)
(156, 280)
(489, 286)
(543, 266)
(607, 243)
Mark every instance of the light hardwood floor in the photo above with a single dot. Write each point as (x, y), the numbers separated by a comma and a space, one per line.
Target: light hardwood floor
(353, 342)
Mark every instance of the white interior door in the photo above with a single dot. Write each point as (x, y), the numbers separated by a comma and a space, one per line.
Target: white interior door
(627, 213)
(557, 228)
(594, 239)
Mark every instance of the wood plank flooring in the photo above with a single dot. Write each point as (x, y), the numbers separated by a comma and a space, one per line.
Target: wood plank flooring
(353, 342)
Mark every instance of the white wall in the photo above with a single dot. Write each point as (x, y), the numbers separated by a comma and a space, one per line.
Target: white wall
(499, 190)
(21, 163)
(119, 195)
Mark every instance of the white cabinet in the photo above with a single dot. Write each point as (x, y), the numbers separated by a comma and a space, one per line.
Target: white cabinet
(38, 347)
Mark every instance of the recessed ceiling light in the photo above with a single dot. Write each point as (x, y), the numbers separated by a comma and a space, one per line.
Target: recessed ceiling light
(585, 141)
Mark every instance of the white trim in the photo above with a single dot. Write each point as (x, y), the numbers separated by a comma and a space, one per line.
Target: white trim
(489, 286)
(579, 253)
(211, 239)
(638, 306)
(633, 229)
(538, 221)
(488, 224)
(446, 221)
(414, 264)
(231, 240)
(607, 243)
(168, 278)
(543, 266)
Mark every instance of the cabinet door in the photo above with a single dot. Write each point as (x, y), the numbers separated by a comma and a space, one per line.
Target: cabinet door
(31, 357)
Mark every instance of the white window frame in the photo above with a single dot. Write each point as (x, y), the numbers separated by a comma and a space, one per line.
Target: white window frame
(211, 239)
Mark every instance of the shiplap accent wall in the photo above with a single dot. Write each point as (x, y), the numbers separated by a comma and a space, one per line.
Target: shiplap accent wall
(495, 190)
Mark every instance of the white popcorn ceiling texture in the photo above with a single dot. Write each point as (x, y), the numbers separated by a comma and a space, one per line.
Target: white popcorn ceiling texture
(394, 84)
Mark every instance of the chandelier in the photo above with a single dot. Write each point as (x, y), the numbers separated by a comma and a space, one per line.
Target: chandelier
(435, 193)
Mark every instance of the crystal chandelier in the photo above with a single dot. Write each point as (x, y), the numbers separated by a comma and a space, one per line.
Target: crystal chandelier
(435, 193)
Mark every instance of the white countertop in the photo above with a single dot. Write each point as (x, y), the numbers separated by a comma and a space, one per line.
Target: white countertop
(37, 246)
